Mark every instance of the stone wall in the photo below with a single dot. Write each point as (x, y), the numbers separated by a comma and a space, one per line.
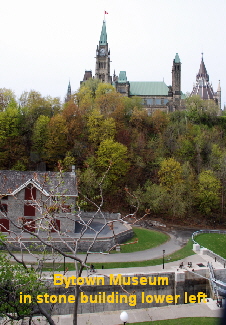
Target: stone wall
(98, 215)
(176, 286)
(101, 244)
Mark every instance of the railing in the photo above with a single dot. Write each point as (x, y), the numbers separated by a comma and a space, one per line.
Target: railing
(212, 281)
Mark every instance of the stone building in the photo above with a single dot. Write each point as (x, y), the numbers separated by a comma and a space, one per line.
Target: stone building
(26, 196)
(203, 88)
(154, 94)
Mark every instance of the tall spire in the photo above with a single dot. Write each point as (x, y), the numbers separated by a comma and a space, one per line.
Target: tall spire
(103, 35)
(203, 88)
(202, 71)
(68, 96)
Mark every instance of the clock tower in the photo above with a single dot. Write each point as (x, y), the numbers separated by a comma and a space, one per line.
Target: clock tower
(102, 71)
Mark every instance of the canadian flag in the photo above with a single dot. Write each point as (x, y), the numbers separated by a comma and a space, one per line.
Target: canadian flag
(106, 13)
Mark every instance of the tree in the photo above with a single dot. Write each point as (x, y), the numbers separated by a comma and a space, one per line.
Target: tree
(56, 144)
(201, 111)
(170, 173)
(40, 135)
(76, 123)
(86, 94)
(11, 141)
(159, 120)
(109, 102)
(6, 96)
(100, 128)
(208, 192)
(14, 280)
(113, 154)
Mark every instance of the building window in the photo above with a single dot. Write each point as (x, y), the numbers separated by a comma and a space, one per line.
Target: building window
(30, 193)
(29, 210)
(149, 101)
(157, 101)
(4, 225)
(4, 208)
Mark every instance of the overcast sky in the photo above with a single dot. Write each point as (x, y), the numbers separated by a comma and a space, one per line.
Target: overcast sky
(47, 42)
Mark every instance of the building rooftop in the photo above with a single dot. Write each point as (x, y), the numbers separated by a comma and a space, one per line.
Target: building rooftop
(148, 88)
(50, 183)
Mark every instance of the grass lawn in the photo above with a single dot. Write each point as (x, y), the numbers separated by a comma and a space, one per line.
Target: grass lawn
(146, 239)
(183, 321)
(214, 242)
(178, 255)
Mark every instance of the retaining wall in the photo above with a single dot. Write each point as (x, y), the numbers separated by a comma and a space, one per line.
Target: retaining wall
(177, 285)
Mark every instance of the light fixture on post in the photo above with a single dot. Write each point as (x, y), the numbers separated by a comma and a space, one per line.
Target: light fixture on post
(124, 317)
(163, 253)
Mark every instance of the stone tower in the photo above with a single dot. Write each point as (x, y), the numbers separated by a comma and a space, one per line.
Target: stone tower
(176, 78)
(219, 95)
(102, 71)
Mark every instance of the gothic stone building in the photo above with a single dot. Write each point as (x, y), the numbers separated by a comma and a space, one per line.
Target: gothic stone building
(154, 94)
(26, 196)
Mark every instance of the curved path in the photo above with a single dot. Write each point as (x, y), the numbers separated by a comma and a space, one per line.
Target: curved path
(177, 240)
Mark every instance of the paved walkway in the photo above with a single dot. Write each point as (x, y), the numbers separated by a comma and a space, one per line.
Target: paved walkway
(208, 309)
(172, 245)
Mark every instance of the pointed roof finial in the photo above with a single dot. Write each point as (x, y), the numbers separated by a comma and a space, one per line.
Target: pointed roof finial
(103, 35)
(219, 86)
(69, 88)
(177, 59)
(202, 71)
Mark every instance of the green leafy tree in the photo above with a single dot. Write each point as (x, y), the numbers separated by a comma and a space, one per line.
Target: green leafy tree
(86, 94)
(111, 156)
(15, 282)
(56, 146)
(11, 142)
(6, 97)
(67, 162)
(208, 192)
(201, 111)
(100, 128)
(40, 135)
(170, 172)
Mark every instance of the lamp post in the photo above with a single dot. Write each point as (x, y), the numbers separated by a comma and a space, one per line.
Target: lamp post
(163, 253)
(124, 317)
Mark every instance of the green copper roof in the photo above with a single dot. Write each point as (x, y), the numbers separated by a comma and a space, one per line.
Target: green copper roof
(145, 88)
(122, 76)
(103, 35)
(177, 59)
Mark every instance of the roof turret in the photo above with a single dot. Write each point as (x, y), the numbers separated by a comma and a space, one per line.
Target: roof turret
(177, 59)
